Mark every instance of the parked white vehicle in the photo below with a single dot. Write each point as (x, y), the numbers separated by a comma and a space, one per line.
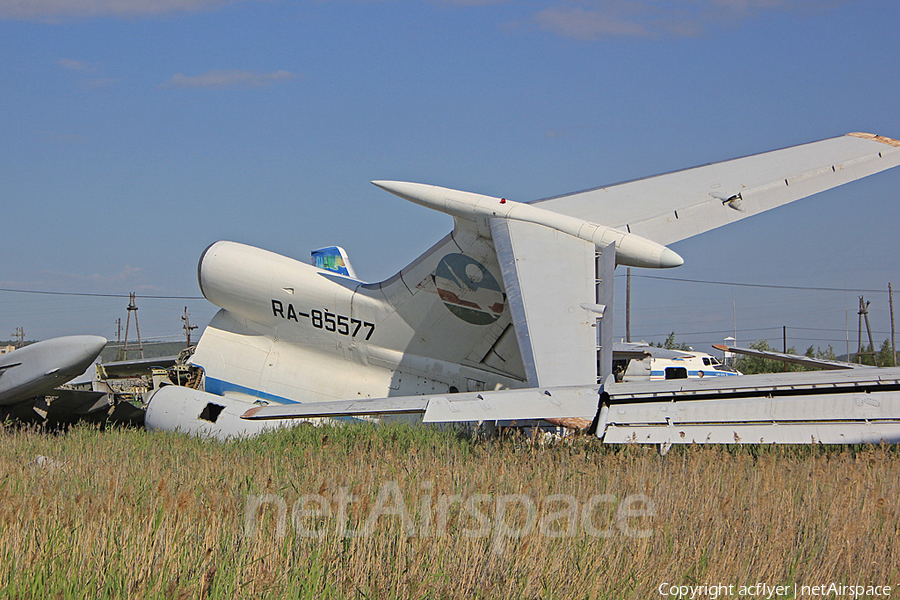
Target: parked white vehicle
(642, 362)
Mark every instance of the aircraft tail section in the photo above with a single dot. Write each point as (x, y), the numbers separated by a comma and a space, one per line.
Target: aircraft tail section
(450, 305)
(513, 297)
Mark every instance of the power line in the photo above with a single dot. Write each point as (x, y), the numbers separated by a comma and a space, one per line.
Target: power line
(730, 331)
(752, 330)
(826, 329)
(95, 295)
(762, 285)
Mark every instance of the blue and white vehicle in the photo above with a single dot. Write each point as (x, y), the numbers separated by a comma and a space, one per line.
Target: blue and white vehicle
(642, 362)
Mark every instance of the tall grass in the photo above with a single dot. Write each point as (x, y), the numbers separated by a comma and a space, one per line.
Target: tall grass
(131, 513)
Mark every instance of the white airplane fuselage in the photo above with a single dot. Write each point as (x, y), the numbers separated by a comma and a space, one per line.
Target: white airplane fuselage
(39, 368)
(290, 332)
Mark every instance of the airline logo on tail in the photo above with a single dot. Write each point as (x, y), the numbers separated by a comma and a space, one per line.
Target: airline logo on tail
(469, 290)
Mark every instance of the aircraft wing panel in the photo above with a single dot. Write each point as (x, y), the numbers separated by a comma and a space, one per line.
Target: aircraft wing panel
(511, 405)
(499, 405)
(859, 432)
(829, 418)
(340, 408)
(548, 277)
(71, 404)
(807, 361)
(675, 206)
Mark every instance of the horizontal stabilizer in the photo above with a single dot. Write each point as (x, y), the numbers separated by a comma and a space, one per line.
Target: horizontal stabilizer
(513, 405)
(675, 206)
(829, 407)
(760, 385)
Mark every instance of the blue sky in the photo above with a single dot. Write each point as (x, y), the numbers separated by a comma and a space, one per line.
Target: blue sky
(134, 133)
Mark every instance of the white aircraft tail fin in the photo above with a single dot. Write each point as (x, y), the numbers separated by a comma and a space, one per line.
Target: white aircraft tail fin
(450, 304)
(519, 299)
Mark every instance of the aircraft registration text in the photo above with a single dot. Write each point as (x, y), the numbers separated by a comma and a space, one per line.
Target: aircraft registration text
(328, 321)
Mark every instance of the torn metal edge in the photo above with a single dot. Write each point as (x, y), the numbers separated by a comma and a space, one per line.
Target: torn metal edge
(877, 138)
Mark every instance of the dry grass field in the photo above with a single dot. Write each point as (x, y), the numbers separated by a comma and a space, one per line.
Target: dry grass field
(411, 512)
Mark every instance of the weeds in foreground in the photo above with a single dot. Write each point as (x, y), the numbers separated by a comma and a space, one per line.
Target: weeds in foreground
(130, 513)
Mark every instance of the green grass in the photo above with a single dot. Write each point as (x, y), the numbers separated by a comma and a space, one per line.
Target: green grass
(140, 514)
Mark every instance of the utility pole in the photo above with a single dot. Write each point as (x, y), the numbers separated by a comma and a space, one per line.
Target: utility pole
(119, 338)
(187, 326)
(864, 315)
(847, 328)
(20, 337)
(628, 305)
(893, 347)
(784, 345)
(132, 307)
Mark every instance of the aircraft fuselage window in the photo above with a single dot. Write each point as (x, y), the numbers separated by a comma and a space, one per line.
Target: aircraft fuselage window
(676, 373)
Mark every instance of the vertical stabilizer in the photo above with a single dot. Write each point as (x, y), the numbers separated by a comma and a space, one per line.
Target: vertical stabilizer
(450, 304)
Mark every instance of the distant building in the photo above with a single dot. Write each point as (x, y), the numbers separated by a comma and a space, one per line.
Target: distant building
(7, 349)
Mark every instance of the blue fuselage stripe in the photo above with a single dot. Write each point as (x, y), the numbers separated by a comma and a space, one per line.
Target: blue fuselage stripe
(220, 387)
(706, 373)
